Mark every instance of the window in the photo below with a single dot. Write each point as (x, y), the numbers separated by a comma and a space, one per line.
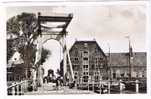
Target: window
(114, 75)
(85, 58)
(85, 67)
(85, 73)
(122, 74)
(101, 64)
(143, 73)
(75, 73)
(75, 77)
(9, 78)
(85, 62)
(96, 67)
(96, 78)
(85, 53)
(96, 73)
(96, 50)
(75, 51)
(101, 58)
(93, 67)
(85, 78)
(75, 67)
(76, 59)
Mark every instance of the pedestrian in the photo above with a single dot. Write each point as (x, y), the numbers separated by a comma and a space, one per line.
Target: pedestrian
(102, 89)
(61, 81)
(57, 84)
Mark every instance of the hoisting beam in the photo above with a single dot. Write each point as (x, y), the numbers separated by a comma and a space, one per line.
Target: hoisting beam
(56, 18)
(66, 19)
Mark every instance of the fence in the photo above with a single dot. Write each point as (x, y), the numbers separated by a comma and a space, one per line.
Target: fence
(121, 86)
(18, 88)
(114, 87)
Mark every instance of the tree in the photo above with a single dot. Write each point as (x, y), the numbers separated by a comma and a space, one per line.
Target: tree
(13, 29)
(44, 55)
(25, 30)
(13, 26)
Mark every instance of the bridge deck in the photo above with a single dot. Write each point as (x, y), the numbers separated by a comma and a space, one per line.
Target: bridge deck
(48, 89)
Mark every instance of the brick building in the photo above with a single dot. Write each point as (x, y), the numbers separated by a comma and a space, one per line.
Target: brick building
(89, 62)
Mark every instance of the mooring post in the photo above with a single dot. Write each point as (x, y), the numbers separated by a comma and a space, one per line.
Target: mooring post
(81, 82)
(89, 80)
(22, 88)
(137, 86)
(13, 89)
(93, 84)
(25, 85)
(121, 87)
(17, 89)
(109, 87)
(100, 86)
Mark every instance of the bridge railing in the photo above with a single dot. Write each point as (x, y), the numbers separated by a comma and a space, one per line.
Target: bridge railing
(18, 88)
(122, 86)
(113, 86)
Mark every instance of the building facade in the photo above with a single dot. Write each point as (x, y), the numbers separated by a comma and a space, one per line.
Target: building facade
(122, 67)
(89, 63)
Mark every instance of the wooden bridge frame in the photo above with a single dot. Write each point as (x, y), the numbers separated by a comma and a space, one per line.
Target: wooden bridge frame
(58, 36)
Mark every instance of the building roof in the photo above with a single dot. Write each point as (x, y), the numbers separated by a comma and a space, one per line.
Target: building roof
(15, 59)
(88, 42)
(121, 59)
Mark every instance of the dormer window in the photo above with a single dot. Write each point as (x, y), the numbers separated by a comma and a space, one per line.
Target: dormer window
(85, 53)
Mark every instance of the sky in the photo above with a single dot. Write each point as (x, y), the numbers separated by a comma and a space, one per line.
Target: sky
(107, 24)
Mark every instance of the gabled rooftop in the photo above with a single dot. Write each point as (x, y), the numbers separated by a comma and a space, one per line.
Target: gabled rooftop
(88, 42)
(121, 59)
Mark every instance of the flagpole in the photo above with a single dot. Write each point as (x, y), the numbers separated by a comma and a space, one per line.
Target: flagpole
(129, 57)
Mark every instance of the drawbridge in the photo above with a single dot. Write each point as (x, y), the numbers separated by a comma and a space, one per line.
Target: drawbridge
(54, 27)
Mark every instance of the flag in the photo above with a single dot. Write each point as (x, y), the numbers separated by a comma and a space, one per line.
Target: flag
(130, 50)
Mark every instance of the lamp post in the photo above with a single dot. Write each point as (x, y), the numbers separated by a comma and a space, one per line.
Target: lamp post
(109, 68)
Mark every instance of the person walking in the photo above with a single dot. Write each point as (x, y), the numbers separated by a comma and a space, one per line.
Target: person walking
(57, 84)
